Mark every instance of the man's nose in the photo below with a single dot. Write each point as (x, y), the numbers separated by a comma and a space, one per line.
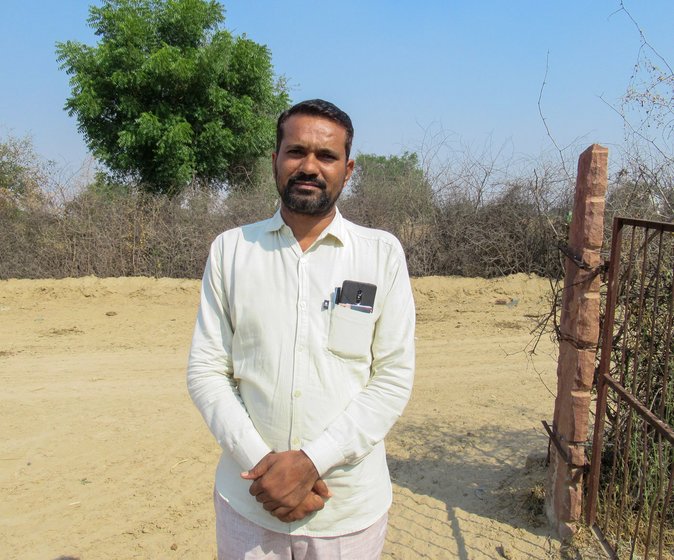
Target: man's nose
(309, 165)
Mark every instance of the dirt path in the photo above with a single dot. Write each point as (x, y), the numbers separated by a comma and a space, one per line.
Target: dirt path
(104, 456)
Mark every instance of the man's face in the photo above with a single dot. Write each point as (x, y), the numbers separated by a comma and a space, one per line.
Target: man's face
(310, 166)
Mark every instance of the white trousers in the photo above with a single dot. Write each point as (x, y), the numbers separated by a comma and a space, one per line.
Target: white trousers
(241, 539)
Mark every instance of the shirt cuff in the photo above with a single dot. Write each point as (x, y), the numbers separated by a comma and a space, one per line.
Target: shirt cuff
(250, 450)
(324, 453)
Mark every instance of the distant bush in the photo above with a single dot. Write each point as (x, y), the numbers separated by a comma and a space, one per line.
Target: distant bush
(123, 234)
(469, 222)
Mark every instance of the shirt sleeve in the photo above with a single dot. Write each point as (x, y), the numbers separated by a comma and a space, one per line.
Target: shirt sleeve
(371, 413)
(210, 380)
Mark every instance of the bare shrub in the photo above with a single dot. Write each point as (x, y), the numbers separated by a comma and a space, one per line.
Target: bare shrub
(643, 188)
(497, 225)
(470, 221)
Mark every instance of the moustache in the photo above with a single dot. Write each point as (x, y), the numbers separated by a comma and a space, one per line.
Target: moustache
(307, 179)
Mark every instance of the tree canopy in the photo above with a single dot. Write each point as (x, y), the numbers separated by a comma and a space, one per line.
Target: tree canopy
(397, 184)
(168, 97)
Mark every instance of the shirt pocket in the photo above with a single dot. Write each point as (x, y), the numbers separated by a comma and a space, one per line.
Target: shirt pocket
(350, 334)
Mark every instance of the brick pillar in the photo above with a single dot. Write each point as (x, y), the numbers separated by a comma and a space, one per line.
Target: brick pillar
(579, 325)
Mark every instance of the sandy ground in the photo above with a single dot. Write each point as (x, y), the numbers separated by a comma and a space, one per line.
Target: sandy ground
(102, 454)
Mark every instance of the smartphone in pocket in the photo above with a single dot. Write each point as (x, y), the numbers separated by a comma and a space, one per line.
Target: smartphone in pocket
(358, 296)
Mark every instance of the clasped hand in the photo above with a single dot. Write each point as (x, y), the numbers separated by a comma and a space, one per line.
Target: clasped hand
(287, 485)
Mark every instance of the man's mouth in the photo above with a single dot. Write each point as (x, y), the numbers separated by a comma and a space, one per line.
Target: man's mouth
(310, 186)
(306, 185)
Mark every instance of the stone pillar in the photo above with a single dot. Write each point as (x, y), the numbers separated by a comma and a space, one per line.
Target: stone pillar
(579, 325)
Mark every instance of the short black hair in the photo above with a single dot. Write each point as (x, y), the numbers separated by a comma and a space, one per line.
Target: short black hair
(318, 108)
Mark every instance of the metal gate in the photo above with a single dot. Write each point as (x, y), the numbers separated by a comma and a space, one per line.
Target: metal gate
(629, 501)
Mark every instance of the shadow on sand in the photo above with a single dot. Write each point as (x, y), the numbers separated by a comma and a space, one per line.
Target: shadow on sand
(448, 479)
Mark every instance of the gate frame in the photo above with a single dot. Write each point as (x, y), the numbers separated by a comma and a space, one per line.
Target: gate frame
(604, 378)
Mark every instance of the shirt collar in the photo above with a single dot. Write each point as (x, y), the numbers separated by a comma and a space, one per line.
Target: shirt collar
(276, 222)
(335, 228)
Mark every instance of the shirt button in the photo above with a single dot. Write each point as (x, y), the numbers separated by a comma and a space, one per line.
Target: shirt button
(296, 441)
(303, 305)
(297, 393)
(300, 349)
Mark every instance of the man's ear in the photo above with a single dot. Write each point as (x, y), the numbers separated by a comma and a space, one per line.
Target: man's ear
(273, 164)
(349, 170)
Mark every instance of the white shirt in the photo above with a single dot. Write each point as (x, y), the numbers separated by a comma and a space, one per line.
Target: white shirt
(276, 365)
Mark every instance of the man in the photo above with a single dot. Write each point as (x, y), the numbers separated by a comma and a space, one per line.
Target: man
(299, 386)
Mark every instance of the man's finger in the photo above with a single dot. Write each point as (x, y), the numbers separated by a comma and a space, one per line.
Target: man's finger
(258, 470)
(313, 502)
(281, 511)
(255, 489)
(292, 516)
(273, 505)
(259, 497)
(321, 488)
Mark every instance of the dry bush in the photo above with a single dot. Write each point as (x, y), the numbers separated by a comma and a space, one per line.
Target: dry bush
(461, 221)
(501, 225)
(131, 234)
(643, 188)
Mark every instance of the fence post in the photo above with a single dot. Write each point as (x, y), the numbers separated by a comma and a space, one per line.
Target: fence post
(579, 326)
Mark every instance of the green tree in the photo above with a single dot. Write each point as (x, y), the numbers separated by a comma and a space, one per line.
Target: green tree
(390, 192)
(168, 97)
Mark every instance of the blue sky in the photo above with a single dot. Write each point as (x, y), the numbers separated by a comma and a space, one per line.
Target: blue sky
(404, 71)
